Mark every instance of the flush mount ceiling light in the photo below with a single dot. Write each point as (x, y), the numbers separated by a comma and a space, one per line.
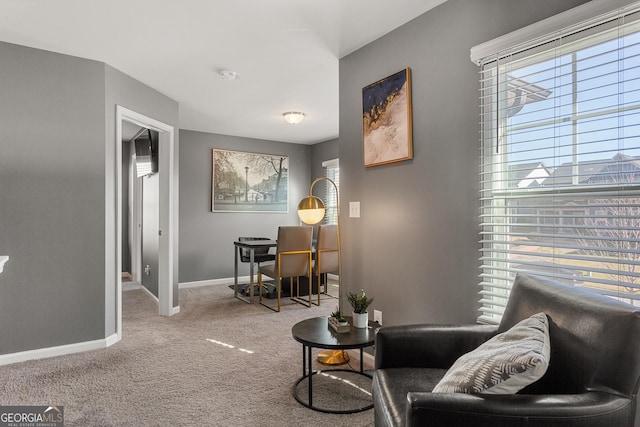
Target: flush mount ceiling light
(293, 117)
(228, 75)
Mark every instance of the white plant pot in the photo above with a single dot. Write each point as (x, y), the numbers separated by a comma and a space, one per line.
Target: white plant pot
(360, 320)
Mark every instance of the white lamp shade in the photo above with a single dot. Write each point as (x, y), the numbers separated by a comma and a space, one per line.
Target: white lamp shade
(293, 117)
(311, 216)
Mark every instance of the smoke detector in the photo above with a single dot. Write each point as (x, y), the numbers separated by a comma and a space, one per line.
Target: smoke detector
(228, 75)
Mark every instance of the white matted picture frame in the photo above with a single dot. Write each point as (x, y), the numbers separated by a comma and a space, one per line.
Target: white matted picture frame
(249, 182)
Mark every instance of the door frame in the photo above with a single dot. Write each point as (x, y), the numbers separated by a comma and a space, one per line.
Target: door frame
(168, 228)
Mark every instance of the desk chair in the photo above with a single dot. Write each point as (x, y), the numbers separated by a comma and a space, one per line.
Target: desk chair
(293, 259)
(259, 255)
(327, 255)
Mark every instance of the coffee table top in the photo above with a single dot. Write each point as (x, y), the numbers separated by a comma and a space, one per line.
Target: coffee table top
(316, 332)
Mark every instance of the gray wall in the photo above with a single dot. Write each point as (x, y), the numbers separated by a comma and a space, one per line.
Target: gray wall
(52, 179)
(321, 152)
(206, 238)
(415, 247)
(57, 134)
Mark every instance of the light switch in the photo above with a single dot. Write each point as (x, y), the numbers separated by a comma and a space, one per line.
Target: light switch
(354, 209)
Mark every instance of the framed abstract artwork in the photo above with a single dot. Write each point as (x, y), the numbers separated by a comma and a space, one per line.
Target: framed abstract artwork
(249, 182)
(387, 120)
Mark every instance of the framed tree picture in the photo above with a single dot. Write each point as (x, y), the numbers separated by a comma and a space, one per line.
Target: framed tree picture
(249, 182)
(386, 120)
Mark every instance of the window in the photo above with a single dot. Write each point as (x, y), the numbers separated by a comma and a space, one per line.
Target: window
(331, 196)
(560, 172)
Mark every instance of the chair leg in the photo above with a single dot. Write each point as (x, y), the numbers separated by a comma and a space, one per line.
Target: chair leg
(278, 290)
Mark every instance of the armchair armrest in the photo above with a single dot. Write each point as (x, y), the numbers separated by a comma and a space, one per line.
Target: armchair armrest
(588, 409)
(429, 346)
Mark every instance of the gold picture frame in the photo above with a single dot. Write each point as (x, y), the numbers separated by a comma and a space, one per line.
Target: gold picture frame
(387, 120)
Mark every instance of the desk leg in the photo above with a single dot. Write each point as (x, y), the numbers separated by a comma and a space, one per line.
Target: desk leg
(361, 360)
(251, 259)
(235, 271)
(236, 254)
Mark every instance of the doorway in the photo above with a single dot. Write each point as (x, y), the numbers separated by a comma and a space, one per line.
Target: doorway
(140, 208)
(166, 227)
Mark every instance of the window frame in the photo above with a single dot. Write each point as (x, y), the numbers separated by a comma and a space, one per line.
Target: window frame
(583, 26)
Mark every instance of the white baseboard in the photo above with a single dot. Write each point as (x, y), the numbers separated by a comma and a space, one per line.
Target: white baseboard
(225, 281)
(112, 339)
(43, 353)
(149, 293)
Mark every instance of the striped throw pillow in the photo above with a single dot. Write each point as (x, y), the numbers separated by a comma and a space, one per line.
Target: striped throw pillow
(505, 364)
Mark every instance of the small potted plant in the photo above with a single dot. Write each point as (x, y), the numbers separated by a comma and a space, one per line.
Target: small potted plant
(359, 302)
(338, 322)
(336, 314)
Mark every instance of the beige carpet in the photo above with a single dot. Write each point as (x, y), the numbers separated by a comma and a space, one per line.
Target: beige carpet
(219, 362)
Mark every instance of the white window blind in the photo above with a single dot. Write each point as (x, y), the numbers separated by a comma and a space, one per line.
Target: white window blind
(560, 161)
(332, 171)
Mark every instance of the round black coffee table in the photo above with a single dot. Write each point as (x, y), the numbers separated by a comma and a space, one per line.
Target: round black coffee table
(316, 333)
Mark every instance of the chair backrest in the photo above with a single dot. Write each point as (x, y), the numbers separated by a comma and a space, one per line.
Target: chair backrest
(327, 249)
(595, 340)
(244, 253)
(293, 250)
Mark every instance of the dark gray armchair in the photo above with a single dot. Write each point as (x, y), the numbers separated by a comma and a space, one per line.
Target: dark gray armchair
(592, 379)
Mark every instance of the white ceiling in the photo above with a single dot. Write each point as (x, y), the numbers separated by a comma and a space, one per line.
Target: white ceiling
(285, 52)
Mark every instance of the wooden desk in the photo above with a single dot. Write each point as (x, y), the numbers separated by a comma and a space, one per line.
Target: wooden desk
(250, 245)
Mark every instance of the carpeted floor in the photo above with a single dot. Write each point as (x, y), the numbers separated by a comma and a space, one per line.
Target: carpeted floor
(219, 362)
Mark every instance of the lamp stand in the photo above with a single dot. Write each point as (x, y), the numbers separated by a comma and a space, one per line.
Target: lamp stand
(332, 357)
